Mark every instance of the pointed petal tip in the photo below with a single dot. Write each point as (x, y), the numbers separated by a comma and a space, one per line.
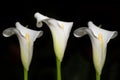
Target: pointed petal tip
(90, 23)
(39, 18)
(8, 32)
(36, 14)
(115, 33)
(17, 24)
(80, 32)
(71, 23)
(39, 24)
(40, 34)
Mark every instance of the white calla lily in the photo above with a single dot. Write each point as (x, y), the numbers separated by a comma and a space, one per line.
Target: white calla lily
(60, 32)
(26, 38)
(99, 39)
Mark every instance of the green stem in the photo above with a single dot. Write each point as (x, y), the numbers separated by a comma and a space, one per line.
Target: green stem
(97, 76)
(58, 63)
(25, 74)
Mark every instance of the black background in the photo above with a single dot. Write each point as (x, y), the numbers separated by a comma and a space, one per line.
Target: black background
(77, 63)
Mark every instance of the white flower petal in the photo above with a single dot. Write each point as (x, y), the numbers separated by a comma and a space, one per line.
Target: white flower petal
(60, 31)
(99, 39)
(9, 32)
(26, 38)
(80, 32)
(33, 34)
(40, 18)
(107, 35)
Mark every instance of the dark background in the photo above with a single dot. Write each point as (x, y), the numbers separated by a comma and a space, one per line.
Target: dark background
(77, 63)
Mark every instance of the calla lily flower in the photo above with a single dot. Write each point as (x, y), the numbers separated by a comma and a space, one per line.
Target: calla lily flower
(26, 38)
(60, 32)
(99, 39)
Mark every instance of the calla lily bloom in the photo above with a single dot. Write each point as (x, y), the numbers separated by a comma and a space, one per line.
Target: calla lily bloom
(99, 39)
(60, 32)
(26, 38)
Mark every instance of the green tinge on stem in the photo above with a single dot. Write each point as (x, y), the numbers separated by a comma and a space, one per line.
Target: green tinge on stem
(58, 64)
(25, 74)
(97, 76)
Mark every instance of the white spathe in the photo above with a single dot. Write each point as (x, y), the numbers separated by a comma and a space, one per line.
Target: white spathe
(26, 38)
(99, 39)
(60, 32)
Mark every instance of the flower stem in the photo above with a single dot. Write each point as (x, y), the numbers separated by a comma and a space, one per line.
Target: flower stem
(58, 63)
(25, 74)
(97, 76)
